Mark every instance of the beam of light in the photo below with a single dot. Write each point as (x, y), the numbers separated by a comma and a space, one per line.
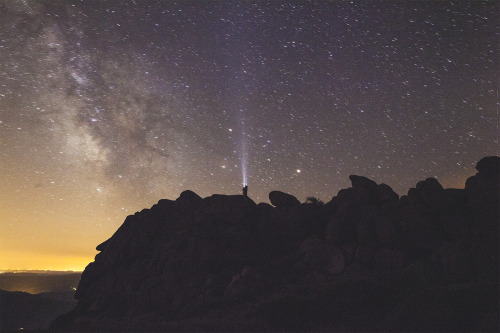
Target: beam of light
(244, 156)
(243, 149)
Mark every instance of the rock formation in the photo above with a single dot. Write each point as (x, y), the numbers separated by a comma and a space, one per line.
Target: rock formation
(367, 260)
(281, 199)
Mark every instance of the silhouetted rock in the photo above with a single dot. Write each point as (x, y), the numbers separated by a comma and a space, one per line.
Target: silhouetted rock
(431, 192)
(483, 193)
(362, 182)
(281, 199)
(385, 193)
(230, 208)
(483, 203)
(188, 199)
(489, 166)
(367, 260)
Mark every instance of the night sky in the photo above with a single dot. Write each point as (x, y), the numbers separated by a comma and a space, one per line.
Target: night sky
(108, 106)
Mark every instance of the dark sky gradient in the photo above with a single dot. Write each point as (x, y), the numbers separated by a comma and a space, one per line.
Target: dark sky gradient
(108, 106)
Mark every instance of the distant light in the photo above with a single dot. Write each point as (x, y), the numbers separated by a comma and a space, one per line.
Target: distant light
(230, 130)
(298, 170)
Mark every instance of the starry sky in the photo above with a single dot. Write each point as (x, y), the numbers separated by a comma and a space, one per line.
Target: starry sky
(108, 106)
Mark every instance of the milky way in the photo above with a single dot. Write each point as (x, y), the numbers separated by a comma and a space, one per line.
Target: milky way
(108, 106)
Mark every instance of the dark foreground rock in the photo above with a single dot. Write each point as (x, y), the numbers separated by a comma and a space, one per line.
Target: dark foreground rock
(367, 260)
(282, 199)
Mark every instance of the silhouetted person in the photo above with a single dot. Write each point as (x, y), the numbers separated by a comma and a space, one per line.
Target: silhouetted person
(245, 190)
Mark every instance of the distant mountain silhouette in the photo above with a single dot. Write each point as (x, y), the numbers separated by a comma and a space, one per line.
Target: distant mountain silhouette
(36, 282)
(23, 311)
(368, 260)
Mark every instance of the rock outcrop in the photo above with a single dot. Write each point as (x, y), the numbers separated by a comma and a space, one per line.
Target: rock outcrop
(367, 260)
(282, 199)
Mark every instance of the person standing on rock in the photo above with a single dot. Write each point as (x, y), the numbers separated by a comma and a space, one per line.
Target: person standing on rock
(245, 191)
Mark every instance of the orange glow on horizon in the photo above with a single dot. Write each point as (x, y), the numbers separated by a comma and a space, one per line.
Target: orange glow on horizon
(15, 261)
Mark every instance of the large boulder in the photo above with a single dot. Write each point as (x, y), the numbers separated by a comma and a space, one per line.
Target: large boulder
(188, 199)
(363, 190)
(489, 166)
(432, 193)
(229, 208)
(385, 193)
(483, 201)
(483, 193)
(362, 182)
(282, 199)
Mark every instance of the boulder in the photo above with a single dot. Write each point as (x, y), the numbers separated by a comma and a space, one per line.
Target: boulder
(188, 199)
(229, 208)
(386, 194)
(489, 166)
(282, 199)
(163, 207)
(417, 203)
(483, 196)
(432, 193)
(362, 182)
(363, 191)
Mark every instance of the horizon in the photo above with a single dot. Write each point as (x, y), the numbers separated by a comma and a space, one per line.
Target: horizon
(36, 271)
(80, 270)
(108, 107)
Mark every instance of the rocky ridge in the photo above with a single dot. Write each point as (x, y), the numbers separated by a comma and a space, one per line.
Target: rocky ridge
(367, 260)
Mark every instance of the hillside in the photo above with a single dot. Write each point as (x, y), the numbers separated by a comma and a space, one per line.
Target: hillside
(367, 260)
